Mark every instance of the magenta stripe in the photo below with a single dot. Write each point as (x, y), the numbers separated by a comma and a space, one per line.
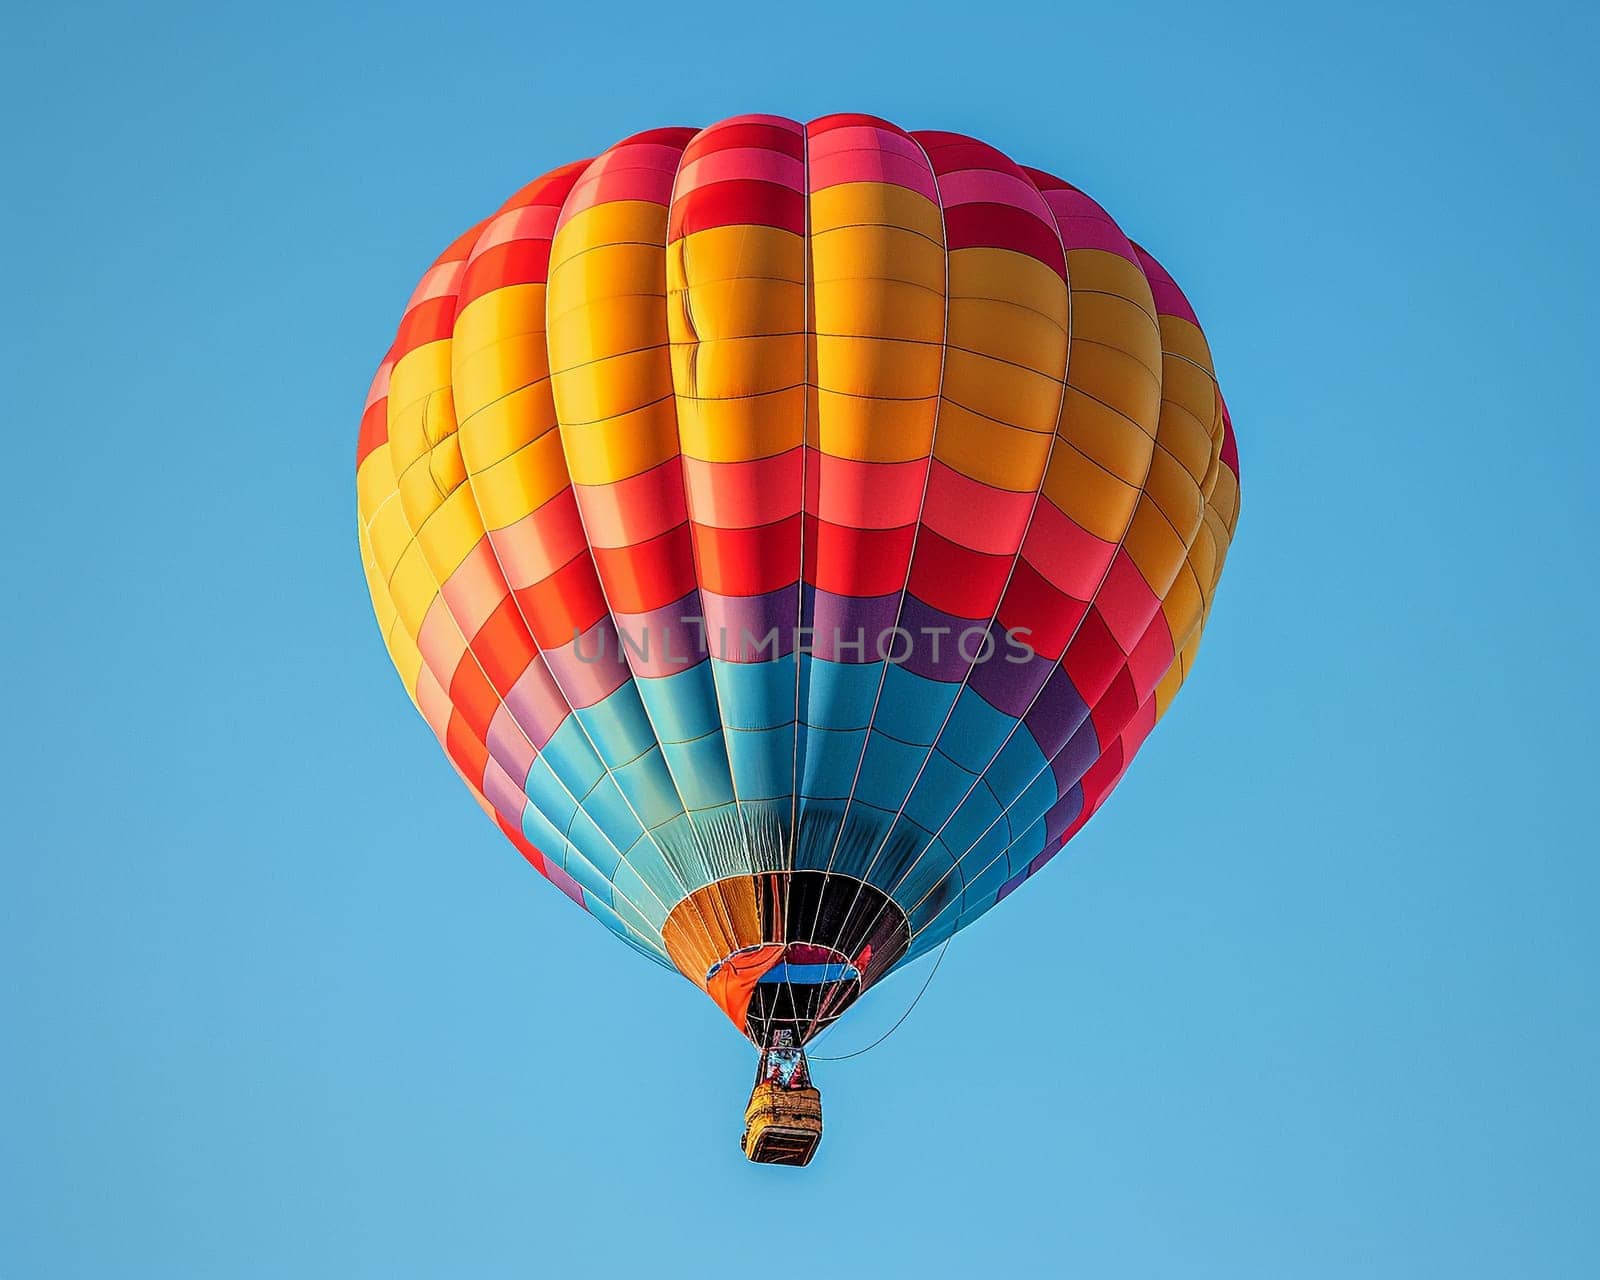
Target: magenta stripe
(588, 669)
(536, 704)
(874, 166)
(758, 164)
(990, 186)
(1169, 298)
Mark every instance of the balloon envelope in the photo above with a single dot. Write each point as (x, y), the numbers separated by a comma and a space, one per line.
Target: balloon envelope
(791, 532)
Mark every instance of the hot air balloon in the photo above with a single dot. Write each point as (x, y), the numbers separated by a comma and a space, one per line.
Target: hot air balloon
(791, 532)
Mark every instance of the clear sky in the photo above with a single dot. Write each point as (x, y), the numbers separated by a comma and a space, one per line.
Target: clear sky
(1315, 995)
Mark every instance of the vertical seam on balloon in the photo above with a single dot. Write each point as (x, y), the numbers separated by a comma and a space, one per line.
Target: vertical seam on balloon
(1190, 636)
(1197, 628)
(555, 680)
(714, 879)
(694, 558)
(806, 326)
(1088, 718)
(933, 747)
(382, 583)
(605, 596)
(539, 756)
(916, 530)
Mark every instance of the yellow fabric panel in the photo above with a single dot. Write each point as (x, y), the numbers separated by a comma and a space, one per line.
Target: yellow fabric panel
(390, 534)
(997, 454)
(1117, 378)
(429, 481)
(1205, 556)
(1001, 330)
(736, 318)
(451, 532)
(894, 311)
(1192, 648)
(884, 204)
(436, 473)
(1165, 522)
(876, 280)
(1172, 507)
(1026, 396)
(511, 311)
(878, 308)
(511, 488)
(1116, 321)
(755, 305)
(607, 326)
(1209, 483)
(1106, 436)
(507, 425)
(872, 430)
(403, 652)
(382, 604)
(871, 368)
(445, 463)
(625, 445)
(374, 482)
(1191, 385)
(1112, 404)
(1007, 313)
(405, 655)
(511, 363)
(1155, 546)
(1116, 337)
(1182, 338)
(612, 253)
(711, 369)
(414, 588)
(847, 252)
(1182, 665)
(739, 280)
(1170, 489)
(1186, 423)
(739, 428)
(423, 450)
(1089, 495)
(439, 505)
(1100, 271)
(611, 373)
(509, 440)
(1220, 540)
(609, 225)
(419, 373)
(1186, 617)
(1225, 498)
(1184, 605)
(1168, 688)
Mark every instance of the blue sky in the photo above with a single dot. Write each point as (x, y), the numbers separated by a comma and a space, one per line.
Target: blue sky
(1316, 993)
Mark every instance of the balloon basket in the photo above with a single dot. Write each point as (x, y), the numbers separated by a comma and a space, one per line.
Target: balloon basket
(783, 1119)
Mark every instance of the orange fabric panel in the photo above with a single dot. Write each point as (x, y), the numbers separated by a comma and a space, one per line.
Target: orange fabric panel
(732, 984)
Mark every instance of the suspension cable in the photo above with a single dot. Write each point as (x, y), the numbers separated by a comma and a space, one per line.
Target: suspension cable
(926, 982)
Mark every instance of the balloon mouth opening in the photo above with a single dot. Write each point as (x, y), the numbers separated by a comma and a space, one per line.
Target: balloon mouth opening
(785, 990)
(796, 962)
(786, 951)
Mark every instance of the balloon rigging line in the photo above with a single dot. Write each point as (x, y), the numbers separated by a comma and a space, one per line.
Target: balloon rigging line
(926, 982)
(911, 555)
